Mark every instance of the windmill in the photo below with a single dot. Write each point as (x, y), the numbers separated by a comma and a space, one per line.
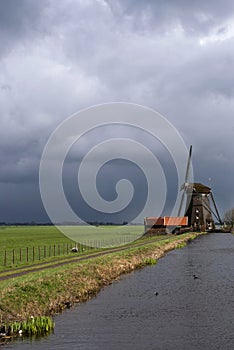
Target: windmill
(198, 205)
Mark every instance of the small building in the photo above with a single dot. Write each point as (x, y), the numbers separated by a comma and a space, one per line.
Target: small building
(164, 225)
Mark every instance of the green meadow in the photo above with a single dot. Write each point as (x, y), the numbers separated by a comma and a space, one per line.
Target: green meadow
(24, 245)
(21, 236)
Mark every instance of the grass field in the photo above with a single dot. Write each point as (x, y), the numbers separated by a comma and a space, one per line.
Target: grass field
(22, 245)
(106, 235)
(20, 236)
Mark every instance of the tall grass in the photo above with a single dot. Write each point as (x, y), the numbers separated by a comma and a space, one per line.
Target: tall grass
(32, 326)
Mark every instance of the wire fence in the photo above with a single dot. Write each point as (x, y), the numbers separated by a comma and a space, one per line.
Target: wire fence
(26, 255)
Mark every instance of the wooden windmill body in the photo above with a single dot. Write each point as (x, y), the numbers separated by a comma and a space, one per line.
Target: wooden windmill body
(200, 206)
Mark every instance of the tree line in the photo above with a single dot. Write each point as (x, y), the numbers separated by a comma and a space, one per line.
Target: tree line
(229, 217)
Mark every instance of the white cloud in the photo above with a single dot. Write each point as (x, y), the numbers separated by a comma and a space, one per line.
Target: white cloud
(225, 32)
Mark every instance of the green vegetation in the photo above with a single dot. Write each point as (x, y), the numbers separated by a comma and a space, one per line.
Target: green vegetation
(32, 326)
(24, 245)
(19, 236)
(104, 235)
(181, 245)
(150, 261)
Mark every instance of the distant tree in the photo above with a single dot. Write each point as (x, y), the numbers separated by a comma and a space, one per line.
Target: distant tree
(229, 217)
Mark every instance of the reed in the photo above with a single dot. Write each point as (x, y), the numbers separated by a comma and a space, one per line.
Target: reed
(150, 261)
(181, 245)
(37, 326)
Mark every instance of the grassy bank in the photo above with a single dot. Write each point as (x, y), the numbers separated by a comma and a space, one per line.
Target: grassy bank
(48, 292)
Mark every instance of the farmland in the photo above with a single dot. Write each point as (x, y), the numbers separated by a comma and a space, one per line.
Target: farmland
(21, 245)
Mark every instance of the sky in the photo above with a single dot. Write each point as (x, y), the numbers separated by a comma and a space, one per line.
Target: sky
(59, 57)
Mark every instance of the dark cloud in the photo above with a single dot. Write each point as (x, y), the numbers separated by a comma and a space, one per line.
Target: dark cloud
(21, 203)
(57, 57)
(20, 21)
(194, 17)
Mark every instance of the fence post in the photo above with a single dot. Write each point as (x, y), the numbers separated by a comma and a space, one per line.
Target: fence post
(33, 254)
(54, 249)
(39, 253)
(5, 258)
(13, 256)
(27, 254)
(20, 257)
(44, 251)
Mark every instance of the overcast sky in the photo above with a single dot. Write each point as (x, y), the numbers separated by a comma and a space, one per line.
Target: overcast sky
(57, 57)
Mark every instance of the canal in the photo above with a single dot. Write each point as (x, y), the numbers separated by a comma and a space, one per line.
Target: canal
(186, 301)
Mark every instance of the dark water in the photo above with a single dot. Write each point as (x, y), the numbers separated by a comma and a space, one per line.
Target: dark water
(186, 314)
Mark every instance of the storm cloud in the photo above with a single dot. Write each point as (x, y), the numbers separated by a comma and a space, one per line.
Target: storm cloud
(57, 57)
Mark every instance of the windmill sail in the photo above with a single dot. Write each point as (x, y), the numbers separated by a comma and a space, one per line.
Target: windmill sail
(198, 204)
(184, 186)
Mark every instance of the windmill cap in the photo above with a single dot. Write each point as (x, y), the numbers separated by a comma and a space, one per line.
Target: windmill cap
(199, 188)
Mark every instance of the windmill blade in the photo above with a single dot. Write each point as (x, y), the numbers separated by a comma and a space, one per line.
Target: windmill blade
(184, 187)
(211, 211)
(188, 165)
(182, 201)
(187, 168)
(216, 209)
